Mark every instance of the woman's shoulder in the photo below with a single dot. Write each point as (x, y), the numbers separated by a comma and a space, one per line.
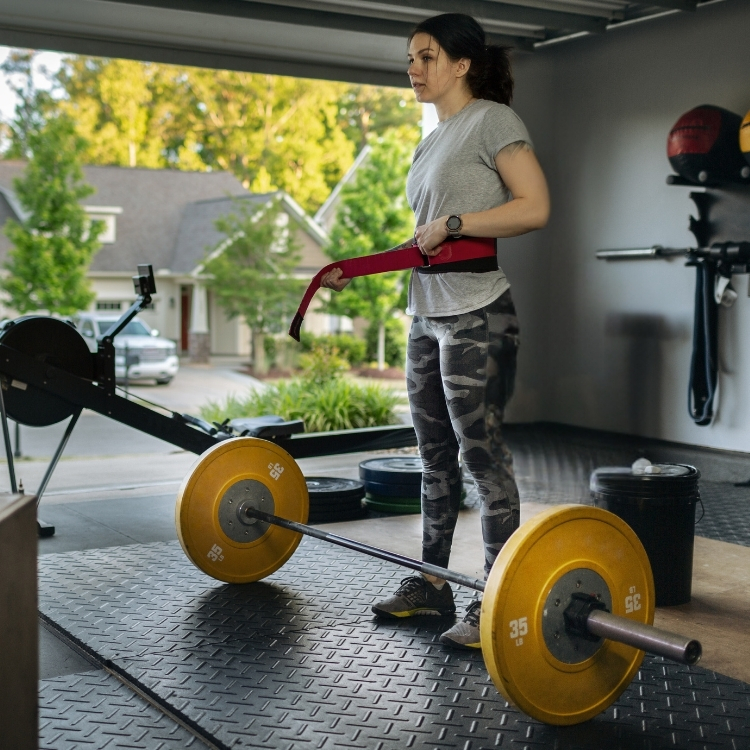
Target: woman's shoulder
(501, 123)
(489, 104)
(490, 110)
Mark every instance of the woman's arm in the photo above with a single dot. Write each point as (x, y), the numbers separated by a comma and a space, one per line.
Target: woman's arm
(528, 210)
(334, 279)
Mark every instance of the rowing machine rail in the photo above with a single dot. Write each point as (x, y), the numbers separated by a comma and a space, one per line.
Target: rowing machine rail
(24, 373)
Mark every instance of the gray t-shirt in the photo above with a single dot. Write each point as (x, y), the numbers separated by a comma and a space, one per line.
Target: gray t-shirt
(454, 172)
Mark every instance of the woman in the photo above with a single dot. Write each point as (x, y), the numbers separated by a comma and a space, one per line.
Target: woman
(475, 175)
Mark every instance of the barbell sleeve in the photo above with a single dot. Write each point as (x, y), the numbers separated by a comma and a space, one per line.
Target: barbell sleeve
(645, 637)
(382, 554)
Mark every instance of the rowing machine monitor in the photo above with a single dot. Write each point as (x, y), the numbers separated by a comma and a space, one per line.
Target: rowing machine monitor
(145, 286)
(144, 283)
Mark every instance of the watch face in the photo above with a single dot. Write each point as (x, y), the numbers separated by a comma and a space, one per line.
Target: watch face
(453, 223)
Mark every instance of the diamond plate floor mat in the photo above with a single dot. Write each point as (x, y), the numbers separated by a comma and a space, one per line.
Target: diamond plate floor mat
(95, 710)
(553, 465)
(298, 661)
(727, 513)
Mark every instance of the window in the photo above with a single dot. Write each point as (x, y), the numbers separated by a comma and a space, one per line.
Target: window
(109, 233)
(87, 329)
(282, 221)
(108, 215)
(134, 328)
(102, 305)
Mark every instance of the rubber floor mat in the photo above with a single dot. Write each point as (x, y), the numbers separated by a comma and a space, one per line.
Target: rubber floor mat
(298, 661)
(95, 710)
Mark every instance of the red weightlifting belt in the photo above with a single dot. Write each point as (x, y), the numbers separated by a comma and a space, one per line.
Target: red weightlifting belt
(453, 252)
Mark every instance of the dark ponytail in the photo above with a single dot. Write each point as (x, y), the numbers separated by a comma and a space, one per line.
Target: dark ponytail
(490, 75)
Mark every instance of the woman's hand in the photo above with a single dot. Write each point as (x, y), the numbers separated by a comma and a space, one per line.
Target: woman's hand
(333, 280)
(430, 236)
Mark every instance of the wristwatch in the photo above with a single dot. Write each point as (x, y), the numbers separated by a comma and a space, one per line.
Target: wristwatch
(454, 224)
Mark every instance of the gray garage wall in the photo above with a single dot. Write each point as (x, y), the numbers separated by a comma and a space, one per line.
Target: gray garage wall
(608, 345)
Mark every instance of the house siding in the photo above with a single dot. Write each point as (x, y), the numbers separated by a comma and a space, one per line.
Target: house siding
(166, 218)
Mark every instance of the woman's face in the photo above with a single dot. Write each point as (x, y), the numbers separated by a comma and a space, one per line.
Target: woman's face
(431, 71)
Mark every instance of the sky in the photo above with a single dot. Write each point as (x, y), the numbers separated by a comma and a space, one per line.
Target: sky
(50, 60)
(429, 119)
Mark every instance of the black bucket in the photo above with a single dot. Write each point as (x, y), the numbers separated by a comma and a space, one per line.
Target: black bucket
(658, 503)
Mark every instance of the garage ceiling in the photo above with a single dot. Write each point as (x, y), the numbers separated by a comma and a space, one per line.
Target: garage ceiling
(361, 41)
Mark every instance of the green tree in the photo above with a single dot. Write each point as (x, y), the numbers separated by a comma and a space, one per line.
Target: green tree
(132, 114)
(54, 244)
(394, 342)
(272, 132)
(373, 216)
(251, 271)
(372, 111)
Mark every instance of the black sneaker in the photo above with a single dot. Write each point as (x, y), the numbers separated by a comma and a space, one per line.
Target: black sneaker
(417, 596)
(465, 634)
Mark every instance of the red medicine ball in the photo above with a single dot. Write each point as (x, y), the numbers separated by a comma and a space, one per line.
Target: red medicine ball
(703, 147)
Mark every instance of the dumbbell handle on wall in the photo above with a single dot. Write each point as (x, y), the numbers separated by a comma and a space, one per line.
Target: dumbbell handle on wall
(640, 253)
(730, 257)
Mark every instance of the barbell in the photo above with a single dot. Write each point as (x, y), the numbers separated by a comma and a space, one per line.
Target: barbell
(568, 606)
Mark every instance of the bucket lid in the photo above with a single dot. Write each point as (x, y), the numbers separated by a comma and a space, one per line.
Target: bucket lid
(655, 480)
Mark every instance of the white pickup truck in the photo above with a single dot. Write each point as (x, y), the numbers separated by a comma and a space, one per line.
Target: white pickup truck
(149, 357)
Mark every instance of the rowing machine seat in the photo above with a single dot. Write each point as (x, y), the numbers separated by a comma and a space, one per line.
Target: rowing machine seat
(268, 426)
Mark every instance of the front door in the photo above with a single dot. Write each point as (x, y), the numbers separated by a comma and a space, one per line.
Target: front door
(185, 305)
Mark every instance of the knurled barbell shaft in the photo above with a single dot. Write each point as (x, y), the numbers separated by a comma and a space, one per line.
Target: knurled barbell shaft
(645, 637)
(342, 541)
(604, 624)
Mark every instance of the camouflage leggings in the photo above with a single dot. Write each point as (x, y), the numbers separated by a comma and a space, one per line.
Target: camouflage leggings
(460, 372)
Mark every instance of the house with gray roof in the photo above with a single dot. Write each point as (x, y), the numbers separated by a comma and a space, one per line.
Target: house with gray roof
(167, 218)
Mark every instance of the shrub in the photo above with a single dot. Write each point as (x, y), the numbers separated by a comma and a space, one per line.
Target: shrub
(320, 366)
(322, 397)
(282, 352)
(349, 347)
(271, 349)
(395, 342)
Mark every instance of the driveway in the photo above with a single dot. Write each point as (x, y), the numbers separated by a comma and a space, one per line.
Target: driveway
(195, 384)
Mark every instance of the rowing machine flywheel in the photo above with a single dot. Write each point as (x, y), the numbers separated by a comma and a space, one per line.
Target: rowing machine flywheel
(57, 344)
